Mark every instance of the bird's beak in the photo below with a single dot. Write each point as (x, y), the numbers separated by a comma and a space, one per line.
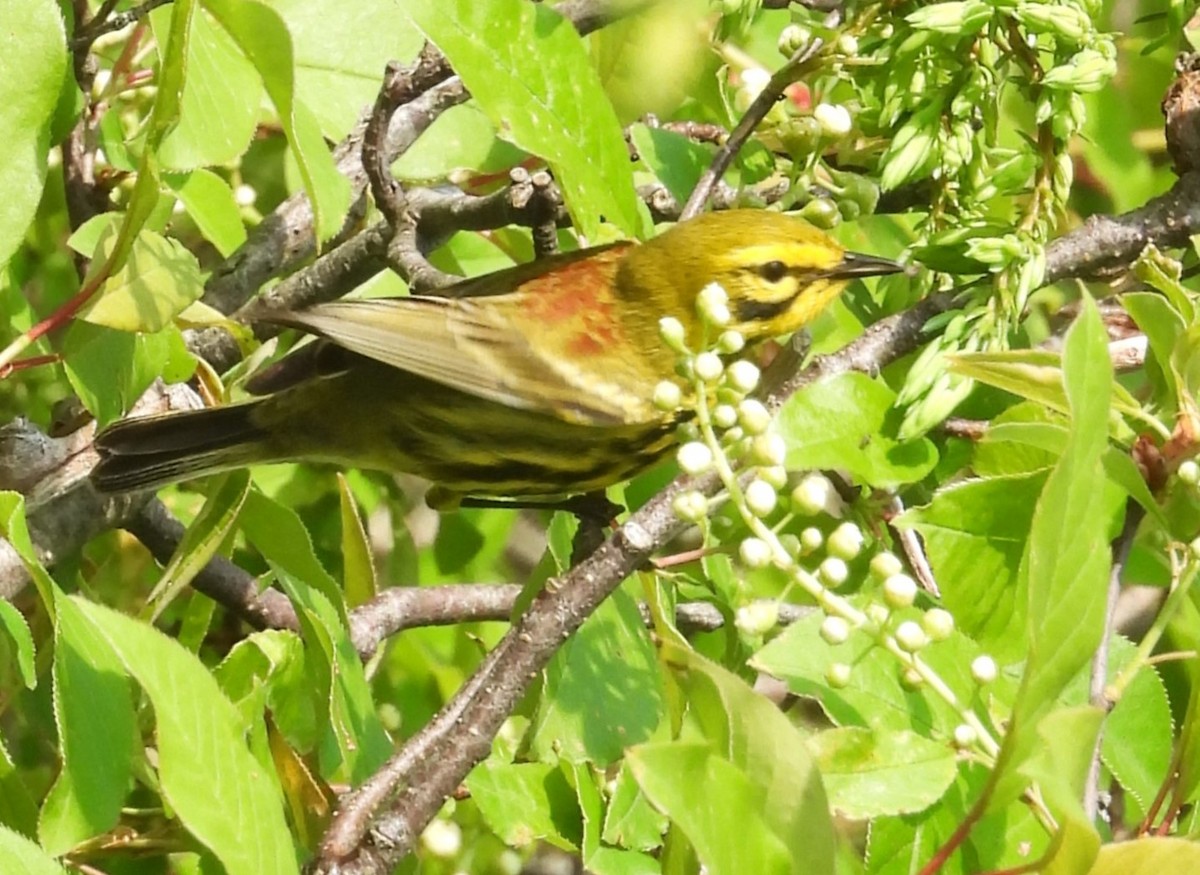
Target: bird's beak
(855, 264)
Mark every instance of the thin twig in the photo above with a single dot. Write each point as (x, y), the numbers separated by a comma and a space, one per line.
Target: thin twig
(101, 23)
(796, 66)
(1134, 514)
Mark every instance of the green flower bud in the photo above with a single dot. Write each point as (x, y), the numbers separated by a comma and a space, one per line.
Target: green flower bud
(837, 675)
(754, 418)
(754, 553)
(910, 637)
(884, 565)
(835, 630)
(938, 624)
(899, 591)
(845, 541)
(757, 618)
(690, 506)
(956, 17)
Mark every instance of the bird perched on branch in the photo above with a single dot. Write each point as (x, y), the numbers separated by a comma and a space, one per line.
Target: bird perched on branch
(534, 382)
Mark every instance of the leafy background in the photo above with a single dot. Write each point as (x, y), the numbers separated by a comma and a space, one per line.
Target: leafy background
(145, 727)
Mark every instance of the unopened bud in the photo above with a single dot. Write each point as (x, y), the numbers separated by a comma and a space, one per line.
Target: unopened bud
(835, 630)
(667, 396)
(694, 457)
(708, 366)
(754, 553)
(743, 376)
(760, 497)
(983, 669)
(845, 541)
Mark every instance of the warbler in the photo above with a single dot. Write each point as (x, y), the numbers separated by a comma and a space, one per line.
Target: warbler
(535, 382)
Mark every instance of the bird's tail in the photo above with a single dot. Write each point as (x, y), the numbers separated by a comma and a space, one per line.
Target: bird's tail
(152, 451)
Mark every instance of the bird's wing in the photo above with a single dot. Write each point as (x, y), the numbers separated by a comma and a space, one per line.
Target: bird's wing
(548, 346)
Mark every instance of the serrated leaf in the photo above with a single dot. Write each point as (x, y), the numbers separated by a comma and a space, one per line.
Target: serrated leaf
(33, 42)
(158, 280)
(263, 38)
(202, 752)
(869, 774)
(219, 106)
(849, 423)
(602, 691)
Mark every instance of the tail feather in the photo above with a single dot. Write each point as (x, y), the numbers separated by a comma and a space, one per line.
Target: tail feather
(153, 451)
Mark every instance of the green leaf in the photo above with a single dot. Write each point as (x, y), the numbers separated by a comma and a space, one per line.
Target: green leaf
(158, 280)
(975, 534)
(848, 423)
(1064, 573)
(219, 106)
(341, 51)
(263, 37)
(93, 708)
(719, 809)
(526, 802)
(602, 691)
(630, 821)
(13, 623)
(23, 857)
(1148, 856)
(869, 774)
(202, 539)
(109, 369)
(32, 42)
(759, 742)
(209, 201)
(462, 138)
(202, 752)
(17, 809)
(677, 161)
(358, 566)
(876, 696)
(1138, 743)
(529, 71)
(15, 529)
(358, 742)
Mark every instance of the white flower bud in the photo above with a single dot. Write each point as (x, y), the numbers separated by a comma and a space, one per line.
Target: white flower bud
(708, 366)
(938, 624)
(245, 195)
(884, 565)
(672, 332)
(776, 475)
(690, 506)
(845, 541)
(442, 838)
(667, 396)
(910, 636)
(742, 376)
(760, 497)
(754, 553)
(835, 630)
(837, 675)
(757, 618)
(725, 416)
(694, 457)
(811, 540)
(877, 614)
(984, 670)
(833, 572)
(911, 679)
(753, 416)
(813, 494)
(713, 305)
(899, 591)
(768, 449)
(731, 342)
(833, 118)
(965, 736)
(848, 44)
(1189, 472)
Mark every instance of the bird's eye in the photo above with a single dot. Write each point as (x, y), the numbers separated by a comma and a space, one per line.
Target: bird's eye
(773, 271)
